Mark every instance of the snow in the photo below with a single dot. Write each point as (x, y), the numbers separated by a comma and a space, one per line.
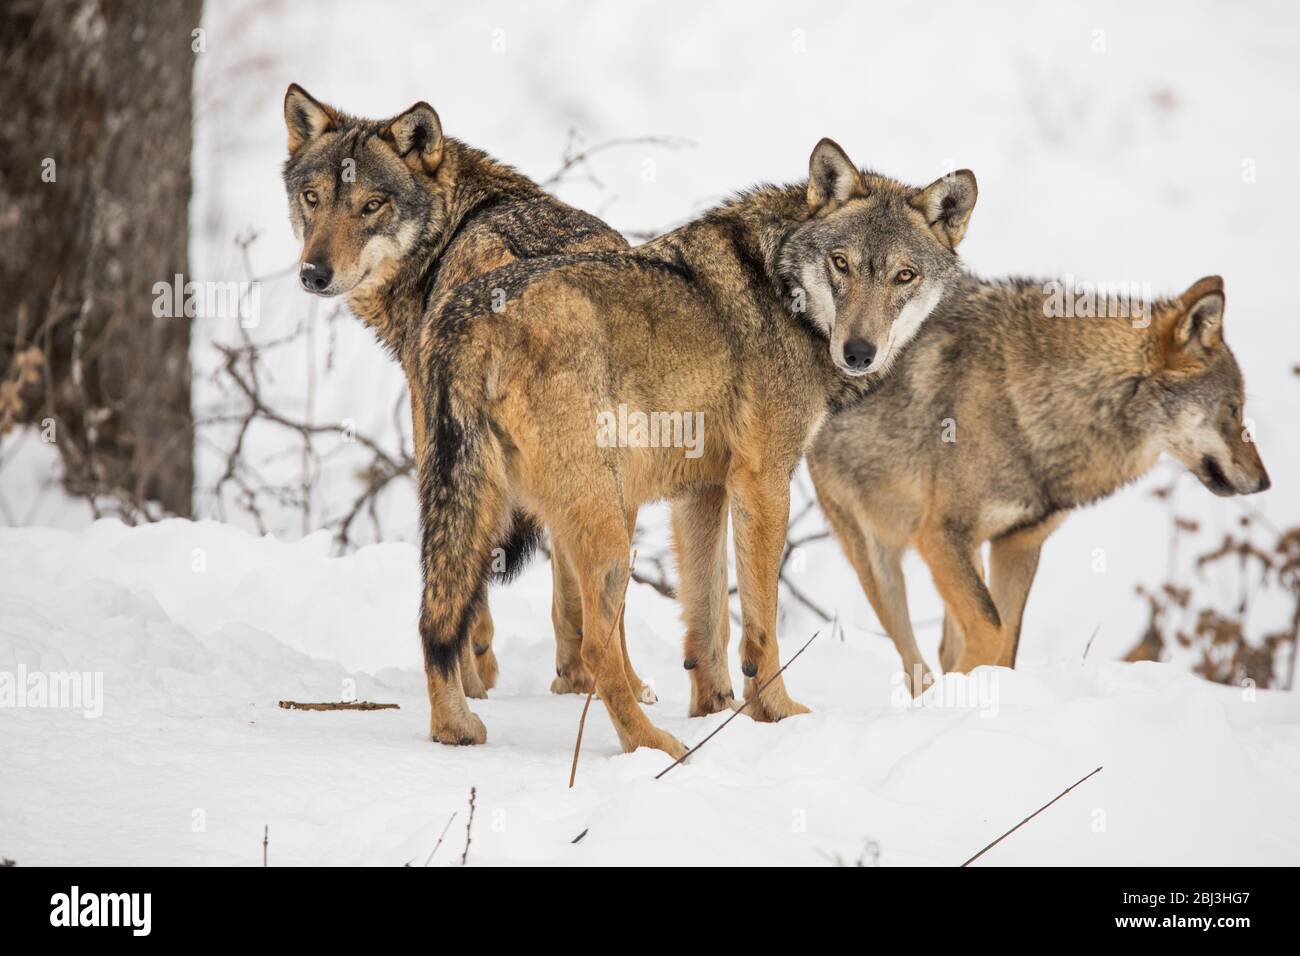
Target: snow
(198, 629)
(1156, 151)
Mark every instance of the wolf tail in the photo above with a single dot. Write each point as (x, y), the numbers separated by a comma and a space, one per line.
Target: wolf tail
(516, 548)
(464, 514)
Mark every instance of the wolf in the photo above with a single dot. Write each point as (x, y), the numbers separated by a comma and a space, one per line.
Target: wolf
(1003, 418)
(391, 214)
(762, 316)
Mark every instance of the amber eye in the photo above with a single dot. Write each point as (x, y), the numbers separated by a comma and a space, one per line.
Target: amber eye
(840, 263)
(310, 197)
(372, 206)
(904, 276)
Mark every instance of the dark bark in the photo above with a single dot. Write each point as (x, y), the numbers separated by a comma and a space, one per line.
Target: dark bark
(103, 89)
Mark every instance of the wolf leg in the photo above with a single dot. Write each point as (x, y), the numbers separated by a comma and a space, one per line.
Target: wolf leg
(955, 564)
(484, 659)
(887, 567)
(700, 541)
(761, 510)
(952, 640)
(1013, 562)
(597, 544)
(450, 719)
(640, 688)
(950, 644)
(470, 681)
(880, 572)
(571, 674)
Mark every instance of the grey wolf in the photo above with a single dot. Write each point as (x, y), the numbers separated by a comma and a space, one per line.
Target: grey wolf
(764, 315)
(1004, 416)
(392, 214)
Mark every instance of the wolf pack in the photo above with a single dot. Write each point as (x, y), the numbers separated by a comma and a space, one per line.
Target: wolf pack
(829, 321)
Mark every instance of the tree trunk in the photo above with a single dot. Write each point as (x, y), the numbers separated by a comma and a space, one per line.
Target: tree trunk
(94, 210)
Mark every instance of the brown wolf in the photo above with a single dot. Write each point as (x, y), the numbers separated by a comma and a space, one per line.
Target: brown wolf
(392, 214)
(758, 318)
(1003, 417)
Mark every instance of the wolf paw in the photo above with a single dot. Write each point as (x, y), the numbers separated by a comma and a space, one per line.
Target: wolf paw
(704, 702)
(662, 740)
(919, 680)
(774, 704)
(577, 681)
(459, 731)
(645, 694)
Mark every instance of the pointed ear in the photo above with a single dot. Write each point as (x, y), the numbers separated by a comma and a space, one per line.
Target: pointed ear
(305, 117)
(1200, 321)
(947, 204)
(417, 136)
(832, 177)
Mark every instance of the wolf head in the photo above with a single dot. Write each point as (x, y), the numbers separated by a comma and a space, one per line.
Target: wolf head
(874, 257)
(361, 193)
(1193, 401)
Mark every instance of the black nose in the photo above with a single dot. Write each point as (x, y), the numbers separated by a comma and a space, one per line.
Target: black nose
(859, 353)
(315, 277)
(1264, 483)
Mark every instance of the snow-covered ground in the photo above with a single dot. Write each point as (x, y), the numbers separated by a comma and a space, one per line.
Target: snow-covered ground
(199, 629)
(1113, 142)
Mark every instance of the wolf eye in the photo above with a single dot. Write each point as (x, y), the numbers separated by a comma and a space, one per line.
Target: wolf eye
(310, 197)
(840, 263)
(372, 206)
(904, 276)
(1235, 411)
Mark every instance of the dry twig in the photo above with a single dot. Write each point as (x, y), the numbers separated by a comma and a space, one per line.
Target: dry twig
(1030, 817)
(440, 836)
(464, 856)
(337, 705)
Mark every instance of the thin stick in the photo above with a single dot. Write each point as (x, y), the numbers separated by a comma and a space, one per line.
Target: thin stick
(440, 836)
(1095, 631)
(582, 721)
(1030, 817)
(266, 840)
(577, 744)
(468, 824)
(337, 705)
(736, 713)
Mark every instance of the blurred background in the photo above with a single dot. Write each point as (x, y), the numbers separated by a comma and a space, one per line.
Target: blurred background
(1113, 142)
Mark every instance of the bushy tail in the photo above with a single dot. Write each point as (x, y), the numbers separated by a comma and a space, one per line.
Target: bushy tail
(517, 547)
(464, 515)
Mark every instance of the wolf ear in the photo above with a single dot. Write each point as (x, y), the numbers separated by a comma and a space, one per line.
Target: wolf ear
(947, 204)
(417, 135)
(832, 177)
(1201, 319)
(305, 117)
